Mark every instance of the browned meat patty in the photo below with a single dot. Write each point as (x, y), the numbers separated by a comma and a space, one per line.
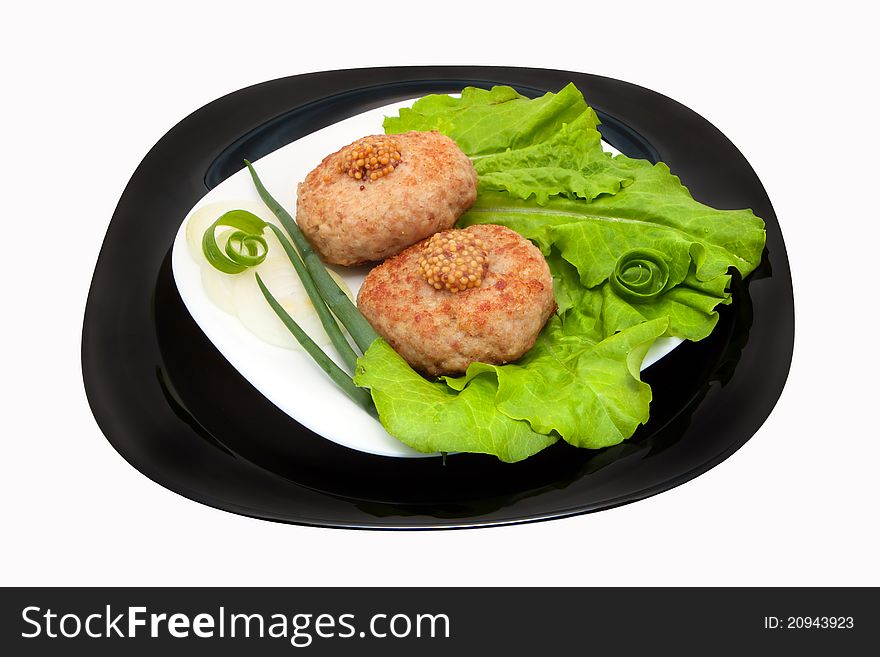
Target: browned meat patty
(383, 193)
(494, 317)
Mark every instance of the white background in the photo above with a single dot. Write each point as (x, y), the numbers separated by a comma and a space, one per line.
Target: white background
(89, 88)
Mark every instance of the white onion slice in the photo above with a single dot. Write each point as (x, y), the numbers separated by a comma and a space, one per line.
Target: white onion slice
(219, 287)
(285, 286)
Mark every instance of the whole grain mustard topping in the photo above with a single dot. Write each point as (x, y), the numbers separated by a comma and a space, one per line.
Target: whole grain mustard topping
(453, 260)
(370, 158)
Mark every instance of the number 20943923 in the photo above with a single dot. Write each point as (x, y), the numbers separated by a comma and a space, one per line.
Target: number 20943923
(809, 622)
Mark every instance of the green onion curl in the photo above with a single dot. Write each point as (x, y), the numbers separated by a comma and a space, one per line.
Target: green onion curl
(245, 247)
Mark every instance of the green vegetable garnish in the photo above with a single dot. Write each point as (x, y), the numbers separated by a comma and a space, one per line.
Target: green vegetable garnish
(431, 417)
(640, 275)
(245, 246)
(339, 376)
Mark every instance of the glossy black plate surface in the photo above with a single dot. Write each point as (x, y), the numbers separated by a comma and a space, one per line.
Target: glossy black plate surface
(162, 394)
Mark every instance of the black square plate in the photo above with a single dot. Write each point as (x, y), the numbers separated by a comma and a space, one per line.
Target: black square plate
(178, 411)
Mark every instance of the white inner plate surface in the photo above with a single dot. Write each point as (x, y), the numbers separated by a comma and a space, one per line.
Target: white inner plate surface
(289, 378)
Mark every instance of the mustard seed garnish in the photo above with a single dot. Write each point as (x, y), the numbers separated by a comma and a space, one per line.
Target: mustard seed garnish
(370, 158)
(453, 260)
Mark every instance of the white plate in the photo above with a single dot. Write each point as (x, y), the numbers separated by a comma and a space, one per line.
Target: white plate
(288, 378)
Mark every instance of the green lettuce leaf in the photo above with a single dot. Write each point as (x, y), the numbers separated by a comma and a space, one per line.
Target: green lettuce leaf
(690, 307)
(570, 164)
(504, 410)
(429, 416)
(528, 148)
(483, 121)
(653, 210)
(566, 377)
(698, 243)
